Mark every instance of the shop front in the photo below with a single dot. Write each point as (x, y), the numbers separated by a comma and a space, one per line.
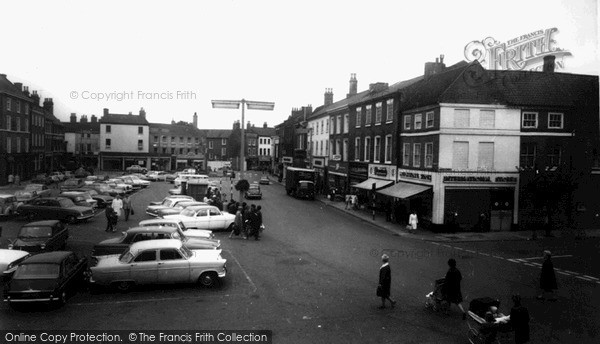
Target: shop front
(319, 165)
(378, 177)
(358, 172)
(337, 172)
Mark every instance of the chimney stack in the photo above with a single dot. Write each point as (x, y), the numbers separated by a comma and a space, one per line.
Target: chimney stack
(26, 90)
(265, 125)
(94, 119)
(436, 67)
(19, 85)
(36, 98)
(195, 120)
(73, 117)
(105, 112)
(49, 105)
(83, 119)
(353, 85)
(142, 113)
(248, 125)
(549, 63)
(328, 96)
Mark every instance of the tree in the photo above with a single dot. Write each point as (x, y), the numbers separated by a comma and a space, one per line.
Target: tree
(242, 186)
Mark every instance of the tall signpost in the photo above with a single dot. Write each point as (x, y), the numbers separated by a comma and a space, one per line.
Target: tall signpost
(235, 104)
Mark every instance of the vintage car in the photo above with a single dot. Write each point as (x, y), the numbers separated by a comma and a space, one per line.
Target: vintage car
(8, 205)
(102, 200)
(41, 236)
(117, 183)
(264, 180)
(105, 189)
(253, 192)
(56, 175)
(46, 277)
(136, 169)
(135, 234)
(25, 196)
(189, 198)
(9, 259)
(170, 177)
(83, 199)
(40, 190)
(165, 261)
(152, 210)
(177, 208)
(71, 184)
(137, 181)
(175, 191)
(55, 208)
(204, 217)
(156, 176)
(189, 232)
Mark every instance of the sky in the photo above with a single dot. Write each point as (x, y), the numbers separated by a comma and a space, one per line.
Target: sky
(172, 58)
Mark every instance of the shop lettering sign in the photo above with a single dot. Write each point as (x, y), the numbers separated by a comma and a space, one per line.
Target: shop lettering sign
(478, 179)
(413, 175)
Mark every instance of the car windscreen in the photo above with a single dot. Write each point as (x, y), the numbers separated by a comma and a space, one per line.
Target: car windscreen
(66, 203)
(35, 232)
(126, 257)
(38, 271)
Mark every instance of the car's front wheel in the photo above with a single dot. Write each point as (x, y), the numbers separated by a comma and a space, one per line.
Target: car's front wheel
(71, 219)
(208, 279)
(123, 286)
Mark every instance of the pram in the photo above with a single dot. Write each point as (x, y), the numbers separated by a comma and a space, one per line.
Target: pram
(479, 330)
(436, 300)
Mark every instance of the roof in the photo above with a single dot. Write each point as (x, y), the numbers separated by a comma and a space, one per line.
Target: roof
(153, 229)
(123, 119)
(42, 223)
(79, 127)
(322, 110)
(262, 131)
(155, 244)
(54, 257)
(218, 133)
(6, 86)
(176, 129)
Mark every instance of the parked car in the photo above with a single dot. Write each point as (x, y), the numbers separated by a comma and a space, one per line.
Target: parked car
(83, 199)
(41, 236)
(135, 234)
(253, 192)
(103, 201)
(42, 179)
(55, 208)
(152, 210)
(9, 259)
(189, 198)
(106, 189)
(137, 181)
(172, 261)
(204, 217)
(156, 176)
(46, 277)
(40, 189)
(25, 197)
(71, 184)
(177, 208)
(119, 184)
(189, 232)
(264, 180)
(59, 175)
(8, 205)
(136, 169)
(170, 177)
(175, 191)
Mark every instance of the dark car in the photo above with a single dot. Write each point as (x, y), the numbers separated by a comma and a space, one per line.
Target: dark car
(41, 236)
(71, 184)
(83, 199)
(136, 169)
(42, 179)
(46, 277)
(135, 234)
(254, 192)
(55, 208)
(264, 180)
(103, 201)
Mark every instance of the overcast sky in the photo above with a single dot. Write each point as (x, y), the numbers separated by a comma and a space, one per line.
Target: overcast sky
(287, 52)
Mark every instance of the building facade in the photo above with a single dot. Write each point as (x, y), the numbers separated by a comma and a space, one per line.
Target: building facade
(124, 141)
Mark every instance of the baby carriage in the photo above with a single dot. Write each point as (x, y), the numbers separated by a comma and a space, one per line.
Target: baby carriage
(436, 300)
(481, 331)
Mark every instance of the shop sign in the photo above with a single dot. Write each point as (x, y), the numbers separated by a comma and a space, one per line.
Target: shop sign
(479, 179)
(382, 171)
(335, 166)
(287, 160)
(414, 175)
(336, 157)
(318, 162)
(359, 170)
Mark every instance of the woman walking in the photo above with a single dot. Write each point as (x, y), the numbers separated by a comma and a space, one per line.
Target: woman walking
(547, 278)
(452, 286)
(385, 282)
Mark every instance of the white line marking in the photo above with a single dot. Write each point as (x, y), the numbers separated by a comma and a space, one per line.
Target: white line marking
(470, 251)
(563, 273)
(528, 264)
(498, 257)
(244, 271)
(582, 278)
(460, 248)
(563, 256)
(590, 277)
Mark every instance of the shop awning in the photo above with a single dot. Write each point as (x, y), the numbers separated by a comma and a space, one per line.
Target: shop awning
(368, 184)
(403, 190)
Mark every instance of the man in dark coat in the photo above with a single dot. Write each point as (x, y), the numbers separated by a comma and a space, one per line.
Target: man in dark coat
(451, 287)
(547, 278)
(519, 319)
(385, 282)
(254, 223)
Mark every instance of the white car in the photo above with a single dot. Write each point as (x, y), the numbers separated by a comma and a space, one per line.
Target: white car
(9, 260)
(168, 202)
(162, 261)
(119, 184)
(204, 217)
(189, 232)
(137, 181)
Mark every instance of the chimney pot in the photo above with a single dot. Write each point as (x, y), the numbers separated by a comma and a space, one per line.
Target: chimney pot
(19, 86)
(105, 111)
(549, 63)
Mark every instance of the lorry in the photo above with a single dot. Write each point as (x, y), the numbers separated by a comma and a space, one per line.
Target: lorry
(300, 182)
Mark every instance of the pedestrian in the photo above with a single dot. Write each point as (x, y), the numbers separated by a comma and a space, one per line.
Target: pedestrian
(413, 221)
(117, 205)
(245, 211)
(254, 223)
(110, 215)
(11, 179)
(547, 278)
(232, 207)
(451, 289)
(519, 319)
(238, 223)
(385, 282)
(348, 201)
(127, 207)
(17, 180)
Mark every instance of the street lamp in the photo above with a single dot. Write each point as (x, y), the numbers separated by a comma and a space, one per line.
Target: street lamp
(235, 104)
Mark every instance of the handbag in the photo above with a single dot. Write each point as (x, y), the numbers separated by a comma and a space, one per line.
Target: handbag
(379, 291)
(132, 212)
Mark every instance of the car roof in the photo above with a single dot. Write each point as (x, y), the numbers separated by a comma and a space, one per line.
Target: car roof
(75, 193)
(153, 229)
(48, 257)
(42, 223)
(7, 255)
(152, 221)
(154, 244)
(6, 196)
(54, 198)
(195, 207)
